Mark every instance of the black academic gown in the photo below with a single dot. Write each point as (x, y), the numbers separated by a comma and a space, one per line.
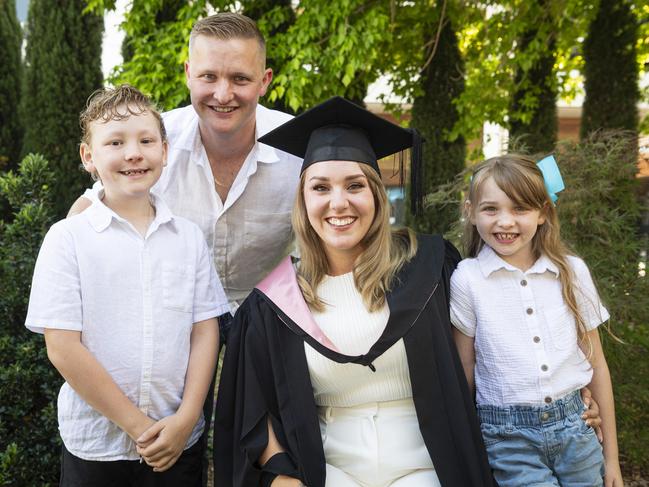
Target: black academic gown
(265, 375)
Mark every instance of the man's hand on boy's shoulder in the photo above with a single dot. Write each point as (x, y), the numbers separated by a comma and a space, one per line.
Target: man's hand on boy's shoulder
(163, 443)
(79, 206)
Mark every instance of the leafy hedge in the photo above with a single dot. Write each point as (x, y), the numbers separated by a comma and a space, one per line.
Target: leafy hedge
(29, 439)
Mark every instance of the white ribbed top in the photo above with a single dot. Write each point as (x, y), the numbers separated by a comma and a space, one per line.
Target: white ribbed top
(354, 330)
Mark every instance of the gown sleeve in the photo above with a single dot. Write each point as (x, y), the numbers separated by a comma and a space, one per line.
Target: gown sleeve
(246, 398)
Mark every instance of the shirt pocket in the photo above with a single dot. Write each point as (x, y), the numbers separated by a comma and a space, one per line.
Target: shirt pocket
(178, 283)
(560, 324)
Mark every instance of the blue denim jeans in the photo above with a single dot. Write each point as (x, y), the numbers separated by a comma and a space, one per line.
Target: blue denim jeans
(542, 446)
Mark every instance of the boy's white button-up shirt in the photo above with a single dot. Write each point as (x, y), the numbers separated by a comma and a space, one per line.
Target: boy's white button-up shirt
(525, 335)
(134, 300)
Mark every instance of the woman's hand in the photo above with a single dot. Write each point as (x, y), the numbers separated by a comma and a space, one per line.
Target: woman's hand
(591, 415)
(284, 481)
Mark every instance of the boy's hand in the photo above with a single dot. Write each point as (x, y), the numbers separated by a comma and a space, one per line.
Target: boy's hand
(591, 415)
(163, 443)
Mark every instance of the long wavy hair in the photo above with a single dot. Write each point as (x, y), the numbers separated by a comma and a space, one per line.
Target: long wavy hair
(384, 250)
(521, 180)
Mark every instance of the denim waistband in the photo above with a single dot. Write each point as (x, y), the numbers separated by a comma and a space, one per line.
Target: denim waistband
(533, 415)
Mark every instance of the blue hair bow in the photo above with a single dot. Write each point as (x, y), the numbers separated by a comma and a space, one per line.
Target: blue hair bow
(551, 177)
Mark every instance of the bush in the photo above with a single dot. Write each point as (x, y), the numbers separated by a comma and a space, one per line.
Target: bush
(29, 440)
(599, 212)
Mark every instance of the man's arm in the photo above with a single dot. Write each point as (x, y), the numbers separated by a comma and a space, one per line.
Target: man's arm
(92, 382)
(163, 443)
(78, 206)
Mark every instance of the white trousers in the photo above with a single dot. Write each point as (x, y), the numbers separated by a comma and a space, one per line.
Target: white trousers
(375, 445)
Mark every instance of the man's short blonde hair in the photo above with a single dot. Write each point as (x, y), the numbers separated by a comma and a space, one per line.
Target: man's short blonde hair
(117, 103)
(226, 26)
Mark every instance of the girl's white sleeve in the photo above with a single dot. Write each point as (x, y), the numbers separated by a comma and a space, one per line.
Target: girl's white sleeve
(462, 309)
(590, 306)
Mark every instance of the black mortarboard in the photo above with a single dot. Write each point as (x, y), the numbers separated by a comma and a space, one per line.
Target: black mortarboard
(339, 130)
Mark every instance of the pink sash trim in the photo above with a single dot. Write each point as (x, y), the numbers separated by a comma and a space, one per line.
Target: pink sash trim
(282, 288)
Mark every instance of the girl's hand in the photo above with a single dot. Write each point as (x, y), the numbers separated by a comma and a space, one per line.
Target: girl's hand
(613, 475)
(284, 481)
(591, 415)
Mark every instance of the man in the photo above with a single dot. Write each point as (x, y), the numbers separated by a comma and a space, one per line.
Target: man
(239, 192)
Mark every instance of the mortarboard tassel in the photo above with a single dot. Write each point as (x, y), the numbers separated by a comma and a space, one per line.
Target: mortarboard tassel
(416, 174)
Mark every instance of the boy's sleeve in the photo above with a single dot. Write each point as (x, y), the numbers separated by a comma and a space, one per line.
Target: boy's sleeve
(590, 306)
(209, 297)
(55, 298)
(462, 311)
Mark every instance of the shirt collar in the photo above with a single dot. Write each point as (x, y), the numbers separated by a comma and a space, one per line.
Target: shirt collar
(100, 216)
(490, 262)
(189, 138)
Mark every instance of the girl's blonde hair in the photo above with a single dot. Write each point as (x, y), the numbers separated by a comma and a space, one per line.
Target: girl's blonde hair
(384, 250)
(521, 180)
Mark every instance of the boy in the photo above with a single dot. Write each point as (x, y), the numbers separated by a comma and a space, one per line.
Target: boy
(126, 296)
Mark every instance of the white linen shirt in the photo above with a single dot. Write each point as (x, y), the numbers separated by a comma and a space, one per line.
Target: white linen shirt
(525, 335)
(134, 300)
(250, 233)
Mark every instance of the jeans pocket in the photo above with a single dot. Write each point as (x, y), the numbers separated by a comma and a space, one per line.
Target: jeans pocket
(492, 434)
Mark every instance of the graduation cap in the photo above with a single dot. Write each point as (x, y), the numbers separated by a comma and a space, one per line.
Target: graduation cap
(339, 130)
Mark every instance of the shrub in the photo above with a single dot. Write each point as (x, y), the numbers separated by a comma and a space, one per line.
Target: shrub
(29, 440)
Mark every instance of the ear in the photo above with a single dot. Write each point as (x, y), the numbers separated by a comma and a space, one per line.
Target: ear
(265, 81)
(542, 215)
(165, 152)
(85, 152)
(187, 73)
(468, 211)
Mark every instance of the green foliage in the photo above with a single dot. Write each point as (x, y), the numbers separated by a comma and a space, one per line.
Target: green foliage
(10, 79)
(533, 110)
(434, 115)
(611, 70)
(62, 69)
(599, 213)
(29, 440)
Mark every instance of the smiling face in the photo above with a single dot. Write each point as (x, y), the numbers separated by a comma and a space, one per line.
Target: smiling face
(506, 226)
(225, 80)
(127, 154)
(340, 208)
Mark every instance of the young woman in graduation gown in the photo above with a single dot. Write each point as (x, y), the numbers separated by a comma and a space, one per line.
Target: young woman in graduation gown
(341, 370)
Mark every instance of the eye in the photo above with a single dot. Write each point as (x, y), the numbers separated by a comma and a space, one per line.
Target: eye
(356, 186)
(208, 77)
(319, 187)
(114, 143)
(488, 209)
(148, 140)
(241, 79)
(521, 209)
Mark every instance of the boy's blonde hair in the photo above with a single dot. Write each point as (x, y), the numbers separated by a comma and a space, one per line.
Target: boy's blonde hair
(384, 250)
(117, 103)
(521, 180)
(226, 26)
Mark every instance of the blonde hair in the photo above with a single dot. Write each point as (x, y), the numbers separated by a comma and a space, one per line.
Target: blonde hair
(226, 26)
(384, 250)
(117, 103)
(521, 180)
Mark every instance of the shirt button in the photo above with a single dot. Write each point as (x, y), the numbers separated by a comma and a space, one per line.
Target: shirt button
(548, 399)
(523, 283)
(537, 339)
(529, 311)
(544, 368)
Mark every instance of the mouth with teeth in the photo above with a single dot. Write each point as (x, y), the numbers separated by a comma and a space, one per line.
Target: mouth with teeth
(223, 109)
(505, 237)
(340, 222)
(134, 172)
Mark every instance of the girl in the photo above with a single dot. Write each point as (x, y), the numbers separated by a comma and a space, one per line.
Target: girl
(526, 314)
(342, 371)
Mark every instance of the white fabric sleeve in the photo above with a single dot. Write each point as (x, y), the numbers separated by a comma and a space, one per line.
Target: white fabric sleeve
(93, 193)
(590, 306)
(55, 299)
(462, 309)
(209, 297)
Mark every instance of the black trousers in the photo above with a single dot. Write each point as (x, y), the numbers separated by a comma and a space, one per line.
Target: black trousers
(186, 472)
(225, 323)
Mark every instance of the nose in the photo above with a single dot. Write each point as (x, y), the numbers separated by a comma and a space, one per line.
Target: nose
(505, 219)
(339, 200)
(222, 92)
(132, 152)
